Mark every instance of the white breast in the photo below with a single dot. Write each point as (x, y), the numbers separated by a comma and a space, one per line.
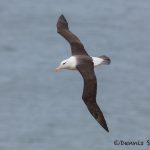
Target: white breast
(72, 62)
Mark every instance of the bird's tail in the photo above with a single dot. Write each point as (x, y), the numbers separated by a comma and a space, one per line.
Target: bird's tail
(97, 114)
(106, 59)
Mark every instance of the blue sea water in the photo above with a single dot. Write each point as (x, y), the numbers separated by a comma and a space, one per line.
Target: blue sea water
(43, 110)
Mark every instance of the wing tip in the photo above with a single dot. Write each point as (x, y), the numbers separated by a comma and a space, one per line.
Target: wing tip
(104, 125)
(62, 23)
(62, 18)
(106, 128)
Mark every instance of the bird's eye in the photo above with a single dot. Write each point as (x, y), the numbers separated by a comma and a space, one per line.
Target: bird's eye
(64, 63)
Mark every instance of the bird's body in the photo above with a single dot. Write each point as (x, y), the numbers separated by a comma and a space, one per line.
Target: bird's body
(72, 61)
(84, 63)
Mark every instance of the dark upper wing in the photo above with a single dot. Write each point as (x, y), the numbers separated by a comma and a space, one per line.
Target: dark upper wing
(89, 93)
(77, 47)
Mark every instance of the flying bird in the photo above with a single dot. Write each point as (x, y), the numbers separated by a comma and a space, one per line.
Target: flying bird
(84, 63)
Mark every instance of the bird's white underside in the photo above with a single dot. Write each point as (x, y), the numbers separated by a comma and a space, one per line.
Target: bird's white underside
(71, 62)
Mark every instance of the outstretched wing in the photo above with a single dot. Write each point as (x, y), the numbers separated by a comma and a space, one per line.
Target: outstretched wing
(77, 47)
(89, 93)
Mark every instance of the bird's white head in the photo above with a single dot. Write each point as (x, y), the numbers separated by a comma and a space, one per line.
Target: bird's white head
(69, 63)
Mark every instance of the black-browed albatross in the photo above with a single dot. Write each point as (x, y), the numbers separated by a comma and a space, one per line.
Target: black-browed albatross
(81, 61)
